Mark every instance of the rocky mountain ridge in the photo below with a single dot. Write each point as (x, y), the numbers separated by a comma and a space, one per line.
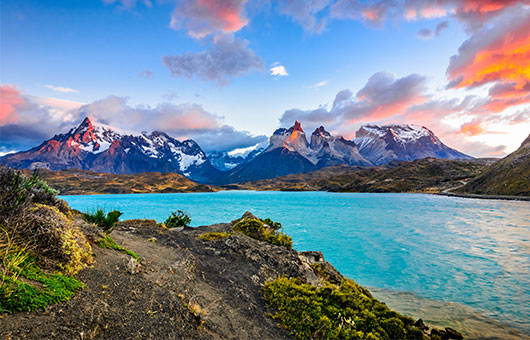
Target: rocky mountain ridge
(98, 148)
(402, 142)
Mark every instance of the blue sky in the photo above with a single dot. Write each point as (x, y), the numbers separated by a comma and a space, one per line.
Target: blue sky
(116, 48)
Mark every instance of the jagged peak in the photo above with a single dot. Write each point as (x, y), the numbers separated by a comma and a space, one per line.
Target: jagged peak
(297, 126)
(86, 125)
(321, 131)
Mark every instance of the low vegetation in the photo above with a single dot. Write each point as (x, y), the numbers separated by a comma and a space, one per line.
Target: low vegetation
(426, 175)
(83, 182)
(214, 236)
(40, 247)
(345, 311)
(38, 290)
(264, 230)
(108, 243)
(102, 220)
(177, 219)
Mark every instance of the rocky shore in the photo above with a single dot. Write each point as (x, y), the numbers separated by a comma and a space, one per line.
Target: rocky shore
(185, 286)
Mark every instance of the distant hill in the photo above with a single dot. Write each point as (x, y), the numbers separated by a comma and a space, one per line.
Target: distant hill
(82, 182)
(509, 176)
(427, 175)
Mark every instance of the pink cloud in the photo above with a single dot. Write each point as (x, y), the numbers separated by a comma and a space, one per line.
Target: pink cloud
(9, 100)
(204, 17)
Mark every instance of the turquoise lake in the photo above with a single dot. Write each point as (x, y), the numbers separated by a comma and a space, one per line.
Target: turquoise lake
(475, 253)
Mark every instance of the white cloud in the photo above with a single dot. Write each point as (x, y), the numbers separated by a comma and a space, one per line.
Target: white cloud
(61, 89)
(278, 70)
(319, 84)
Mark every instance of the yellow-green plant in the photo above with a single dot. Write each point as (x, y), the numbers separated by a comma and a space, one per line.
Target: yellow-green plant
(259, 230)
(214, 236)
(345, 311)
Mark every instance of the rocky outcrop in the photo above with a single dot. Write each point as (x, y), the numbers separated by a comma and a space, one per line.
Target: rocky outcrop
(184, 287)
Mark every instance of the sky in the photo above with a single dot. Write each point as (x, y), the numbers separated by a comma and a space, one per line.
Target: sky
(227, 73)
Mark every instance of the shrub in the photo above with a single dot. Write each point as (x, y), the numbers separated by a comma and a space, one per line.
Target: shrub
(177, 219)
(214, 236)
(347, 311)
(18, 191)
(268, 232)
(105, 222)
(55, 241)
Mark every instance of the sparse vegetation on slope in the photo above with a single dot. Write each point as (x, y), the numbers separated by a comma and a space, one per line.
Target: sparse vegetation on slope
(427, 175)
(214, 236)
(82, 182)
(108, 242)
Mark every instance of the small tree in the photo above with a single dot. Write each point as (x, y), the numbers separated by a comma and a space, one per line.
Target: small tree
(178, 219)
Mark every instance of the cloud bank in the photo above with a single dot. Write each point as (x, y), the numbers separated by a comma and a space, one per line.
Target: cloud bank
(25, 123)
(227, 57)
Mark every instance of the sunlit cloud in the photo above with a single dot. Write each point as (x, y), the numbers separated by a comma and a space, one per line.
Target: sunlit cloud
(278, 70)
(204, 17)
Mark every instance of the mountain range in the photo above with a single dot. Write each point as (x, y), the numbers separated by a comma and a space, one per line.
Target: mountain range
(99, 148)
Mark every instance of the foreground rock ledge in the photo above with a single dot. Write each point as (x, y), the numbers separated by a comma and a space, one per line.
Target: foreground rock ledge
(185, 288)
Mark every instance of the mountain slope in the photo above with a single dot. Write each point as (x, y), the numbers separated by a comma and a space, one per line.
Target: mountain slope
(405, 142)
(99, 148)
(277, 162)
(509, 176)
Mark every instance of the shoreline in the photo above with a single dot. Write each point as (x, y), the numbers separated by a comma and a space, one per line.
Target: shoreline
(474, 324)
(443, 193)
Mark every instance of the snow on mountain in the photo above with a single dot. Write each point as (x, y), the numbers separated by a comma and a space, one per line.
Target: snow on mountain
(402, 142)
(324, 149)
(99, 148)
(225, 161)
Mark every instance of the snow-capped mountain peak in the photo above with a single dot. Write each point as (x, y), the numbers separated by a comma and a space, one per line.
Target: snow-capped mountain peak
(404, 142)
(98, 147)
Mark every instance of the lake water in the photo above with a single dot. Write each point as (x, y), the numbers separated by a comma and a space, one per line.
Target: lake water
(452, 251)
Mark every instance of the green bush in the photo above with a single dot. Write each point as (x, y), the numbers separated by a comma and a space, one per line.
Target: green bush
(177, 219)
(264, 230)
(105, 222)
(347, 311)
